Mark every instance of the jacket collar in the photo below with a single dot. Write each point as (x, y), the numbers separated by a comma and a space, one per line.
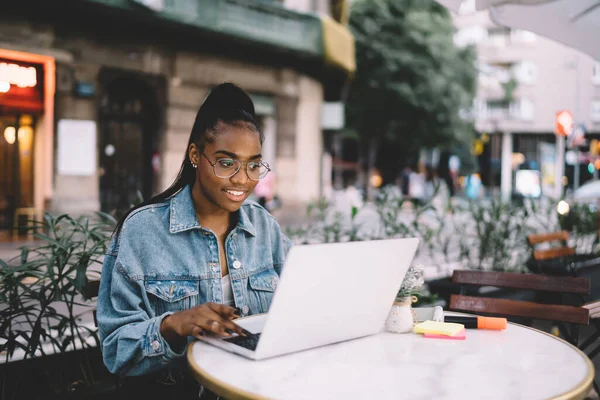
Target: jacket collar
(183, 215)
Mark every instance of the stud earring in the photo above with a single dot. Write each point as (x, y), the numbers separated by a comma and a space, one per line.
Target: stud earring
(195, 166)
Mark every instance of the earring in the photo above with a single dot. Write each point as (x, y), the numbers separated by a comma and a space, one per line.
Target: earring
(195, 166)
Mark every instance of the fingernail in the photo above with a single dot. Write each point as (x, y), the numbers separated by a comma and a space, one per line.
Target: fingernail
(228, 331)
(247, 333)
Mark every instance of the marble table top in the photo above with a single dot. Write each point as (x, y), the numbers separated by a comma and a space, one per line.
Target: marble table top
(518, 363)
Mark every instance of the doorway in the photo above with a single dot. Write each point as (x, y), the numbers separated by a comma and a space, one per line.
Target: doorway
(128, 123)
(16, 166)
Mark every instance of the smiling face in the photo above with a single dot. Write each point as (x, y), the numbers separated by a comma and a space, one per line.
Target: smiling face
(214, 194)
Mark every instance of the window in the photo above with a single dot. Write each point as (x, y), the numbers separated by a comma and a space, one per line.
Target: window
(525, 72)
(496, 109)
(596, 73)
(522, 109)
(498, 36)
(479, 110)
(470, 35)
(595, 112)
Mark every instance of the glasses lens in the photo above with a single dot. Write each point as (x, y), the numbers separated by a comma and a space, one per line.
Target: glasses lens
(257, 171)
(226, 167)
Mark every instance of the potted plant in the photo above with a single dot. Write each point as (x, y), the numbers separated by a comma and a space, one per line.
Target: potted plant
(401, 318)
(47, 330)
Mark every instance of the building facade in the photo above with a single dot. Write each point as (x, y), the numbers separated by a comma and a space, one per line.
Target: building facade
(524, 80)
(100, 95)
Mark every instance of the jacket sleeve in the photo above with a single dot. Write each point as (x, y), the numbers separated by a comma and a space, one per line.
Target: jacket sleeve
(130, 337)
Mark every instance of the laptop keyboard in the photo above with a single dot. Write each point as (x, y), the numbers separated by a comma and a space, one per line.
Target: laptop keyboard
(247, 342)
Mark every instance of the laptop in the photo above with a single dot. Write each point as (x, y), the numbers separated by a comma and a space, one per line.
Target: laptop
(327, 293)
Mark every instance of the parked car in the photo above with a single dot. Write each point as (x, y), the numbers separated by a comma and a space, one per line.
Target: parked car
(579, 211)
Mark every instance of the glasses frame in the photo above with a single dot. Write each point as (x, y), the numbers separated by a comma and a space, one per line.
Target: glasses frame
(213, 165)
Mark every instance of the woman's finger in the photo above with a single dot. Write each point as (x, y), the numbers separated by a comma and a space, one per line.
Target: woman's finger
(197, 332)
(224, 310)
(218, 327)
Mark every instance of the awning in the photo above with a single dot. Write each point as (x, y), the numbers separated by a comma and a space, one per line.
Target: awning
(575, 23)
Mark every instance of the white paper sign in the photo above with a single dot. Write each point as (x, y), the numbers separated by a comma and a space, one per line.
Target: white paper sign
(76, 147)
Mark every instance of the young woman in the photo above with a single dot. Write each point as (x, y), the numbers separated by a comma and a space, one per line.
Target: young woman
(193, 257)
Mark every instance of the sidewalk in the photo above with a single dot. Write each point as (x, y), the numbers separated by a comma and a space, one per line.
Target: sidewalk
(9, 250)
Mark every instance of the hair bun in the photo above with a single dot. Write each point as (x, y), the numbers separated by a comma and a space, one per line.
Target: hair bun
(230, 96)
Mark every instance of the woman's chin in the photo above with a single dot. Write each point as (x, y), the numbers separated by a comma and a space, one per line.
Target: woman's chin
(231, 206)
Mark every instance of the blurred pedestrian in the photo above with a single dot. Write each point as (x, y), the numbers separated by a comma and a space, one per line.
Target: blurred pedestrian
(265, 192)
(473, 186)
(416, 190)
(405, 181)
(165, 278)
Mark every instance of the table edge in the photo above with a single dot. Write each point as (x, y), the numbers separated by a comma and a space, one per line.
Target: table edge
(580, 391)
(233, 393)
(216, 385)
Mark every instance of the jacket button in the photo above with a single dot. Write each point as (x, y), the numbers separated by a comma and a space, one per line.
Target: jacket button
(245, 309)
(237, 264)
(155, 345)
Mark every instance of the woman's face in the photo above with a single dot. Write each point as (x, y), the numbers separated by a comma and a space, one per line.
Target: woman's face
(234, 142)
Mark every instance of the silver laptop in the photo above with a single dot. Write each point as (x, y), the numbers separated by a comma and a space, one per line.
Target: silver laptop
(327, 293)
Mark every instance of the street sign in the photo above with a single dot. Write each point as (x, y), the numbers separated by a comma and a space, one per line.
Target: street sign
(577, 136)
(563, 123)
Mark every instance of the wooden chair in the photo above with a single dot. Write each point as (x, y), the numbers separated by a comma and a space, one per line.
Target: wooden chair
(91, 292)
(31, 214)
(557, 257)
(572, 314)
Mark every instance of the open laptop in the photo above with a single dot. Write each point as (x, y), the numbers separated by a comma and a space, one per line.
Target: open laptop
(327, 293)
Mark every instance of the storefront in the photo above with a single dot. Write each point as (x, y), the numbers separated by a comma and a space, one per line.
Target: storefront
(26, 121)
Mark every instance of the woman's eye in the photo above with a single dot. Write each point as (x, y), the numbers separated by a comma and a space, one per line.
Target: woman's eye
(226, 163)
(253, 166)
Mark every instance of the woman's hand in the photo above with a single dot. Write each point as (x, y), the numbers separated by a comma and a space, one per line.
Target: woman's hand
(208, 317)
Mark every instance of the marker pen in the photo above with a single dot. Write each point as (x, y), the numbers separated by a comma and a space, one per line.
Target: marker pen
(496, 324)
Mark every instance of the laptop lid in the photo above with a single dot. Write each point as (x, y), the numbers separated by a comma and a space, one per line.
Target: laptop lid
(334, 292)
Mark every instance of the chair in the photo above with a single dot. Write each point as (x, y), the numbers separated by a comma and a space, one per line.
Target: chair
(32, 214)
(572, 314)
(554, 258)
(91, 292)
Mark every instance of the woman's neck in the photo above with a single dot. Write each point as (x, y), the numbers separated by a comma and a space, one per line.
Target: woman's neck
(210, 215)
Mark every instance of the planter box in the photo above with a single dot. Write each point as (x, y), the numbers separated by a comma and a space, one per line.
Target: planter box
(58, 376)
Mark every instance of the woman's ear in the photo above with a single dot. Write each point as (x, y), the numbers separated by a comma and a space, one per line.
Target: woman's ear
(194, 154)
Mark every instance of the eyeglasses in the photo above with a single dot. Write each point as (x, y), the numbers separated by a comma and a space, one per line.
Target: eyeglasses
(228, 167)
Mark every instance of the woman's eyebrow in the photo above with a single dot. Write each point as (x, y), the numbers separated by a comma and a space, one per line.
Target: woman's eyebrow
(233, 155)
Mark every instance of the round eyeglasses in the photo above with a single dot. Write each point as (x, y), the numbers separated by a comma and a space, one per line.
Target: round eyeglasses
(228, 167)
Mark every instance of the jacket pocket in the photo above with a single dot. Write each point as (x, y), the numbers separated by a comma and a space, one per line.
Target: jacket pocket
(262, 287)
(172, 295)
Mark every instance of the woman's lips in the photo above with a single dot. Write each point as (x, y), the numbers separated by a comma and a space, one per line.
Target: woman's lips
(235, 195)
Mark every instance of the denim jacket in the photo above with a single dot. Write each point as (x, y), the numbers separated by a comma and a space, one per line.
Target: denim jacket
(163, 261)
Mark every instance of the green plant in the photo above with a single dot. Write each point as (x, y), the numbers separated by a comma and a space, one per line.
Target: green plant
(45, 291)
(412, 283)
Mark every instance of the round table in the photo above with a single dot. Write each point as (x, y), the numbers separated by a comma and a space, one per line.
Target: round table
(517, 363)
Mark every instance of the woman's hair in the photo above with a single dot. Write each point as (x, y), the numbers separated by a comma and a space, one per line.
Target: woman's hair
(226, 105)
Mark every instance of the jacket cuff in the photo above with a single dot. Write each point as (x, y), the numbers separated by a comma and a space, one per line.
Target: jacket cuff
(156, 345)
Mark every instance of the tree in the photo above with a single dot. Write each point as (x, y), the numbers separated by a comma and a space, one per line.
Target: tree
(411, 80)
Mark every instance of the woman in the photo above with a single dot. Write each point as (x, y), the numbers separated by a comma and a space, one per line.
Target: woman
(193, 257)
